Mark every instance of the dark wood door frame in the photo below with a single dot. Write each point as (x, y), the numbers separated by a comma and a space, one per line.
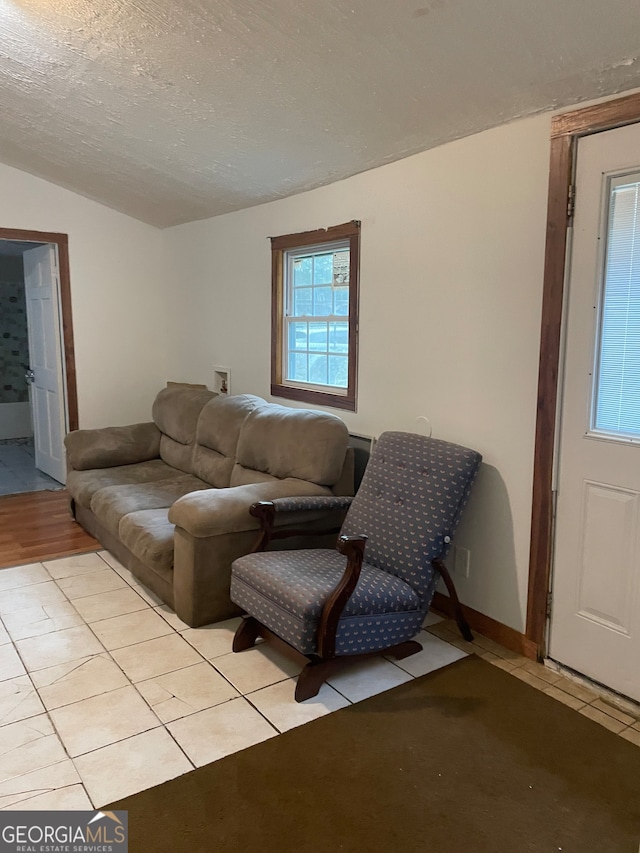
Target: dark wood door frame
(62, 242)
(566, 129)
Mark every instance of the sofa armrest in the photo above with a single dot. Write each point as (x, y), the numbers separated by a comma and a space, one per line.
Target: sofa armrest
(111, 446)
(212, 512)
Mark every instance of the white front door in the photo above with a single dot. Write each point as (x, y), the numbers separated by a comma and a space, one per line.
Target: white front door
(595, 616)
(45, 353)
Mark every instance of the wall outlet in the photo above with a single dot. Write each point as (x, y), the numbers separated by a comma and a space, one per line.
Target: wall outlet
(461, 561)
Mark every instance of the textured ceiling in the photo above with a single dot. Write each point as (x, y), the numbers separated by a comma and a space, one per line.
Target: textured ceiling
(174, 110)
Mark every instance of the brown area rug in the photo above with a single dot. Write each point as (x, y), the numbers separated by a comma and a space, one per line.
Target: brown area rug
(467, 758)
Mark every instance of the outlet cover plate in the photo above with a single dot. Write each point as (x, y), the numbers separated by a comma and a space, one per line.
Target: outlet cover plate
(462, 559)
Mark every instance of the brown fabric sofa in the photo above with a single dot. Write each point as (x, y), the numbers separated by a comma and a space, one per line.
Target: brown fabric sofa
(171, 498)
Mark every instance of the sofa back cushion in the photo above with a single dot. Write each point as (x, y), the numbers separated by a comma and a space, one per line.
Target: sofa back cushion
(217, 434)
(281, 442)
(175, 413)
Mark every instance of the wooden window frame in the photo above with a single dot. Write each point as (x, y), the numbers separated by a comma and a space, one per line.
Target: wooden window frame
(566, 129)
(279, 246)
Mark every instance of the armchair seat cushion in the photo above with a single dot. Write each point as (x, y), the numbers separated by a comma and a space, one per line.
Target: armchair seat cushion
(286, 591)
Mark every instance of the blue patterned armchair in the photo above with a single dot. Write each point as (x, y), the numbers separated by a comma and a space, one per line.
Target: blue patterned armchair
(395, 536)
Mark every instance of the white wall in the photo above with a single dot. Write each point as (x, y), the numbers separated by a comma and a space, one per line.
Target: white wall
(118, 294)
(451, 290)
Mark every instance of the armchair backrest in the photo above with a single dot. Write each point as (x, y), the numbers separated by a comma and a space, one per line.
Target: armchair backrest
(409, 504)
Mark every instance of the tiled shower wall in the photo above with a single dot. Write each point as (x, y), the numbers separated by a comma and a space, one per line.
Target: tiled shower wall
(14, 346)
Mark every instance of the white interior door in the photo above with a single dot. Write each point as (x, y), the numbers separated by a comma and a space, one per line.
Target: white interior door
(595, 617)
(45, 353)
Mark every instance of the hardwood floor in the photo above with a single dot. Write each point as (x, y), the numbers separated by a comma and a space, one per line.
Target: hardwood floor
(37, 526)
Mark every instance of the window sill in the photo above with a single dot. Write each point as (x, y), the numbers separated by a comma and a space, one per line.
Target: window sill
(316, 398)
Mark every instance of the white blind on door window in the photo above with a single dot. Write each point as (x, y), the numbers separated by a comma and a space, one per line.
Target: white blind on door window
(617, 399)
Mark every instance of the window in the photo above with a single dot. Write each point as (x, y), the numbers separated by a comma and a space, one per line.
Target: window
(315, 316)
(617, 396)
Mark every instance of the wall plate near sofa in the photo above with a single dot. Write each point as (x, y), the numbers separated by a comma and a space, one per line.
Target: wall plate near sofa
(221, 379)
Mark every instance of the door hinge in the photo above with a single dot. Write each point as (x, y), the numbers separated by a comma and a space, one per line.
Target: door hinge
(571, 201)
(549, 603)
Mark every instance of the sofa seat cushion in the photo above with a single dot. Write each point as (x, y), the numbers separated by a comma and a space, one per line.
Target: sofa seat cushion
(148, 534)
(111, 503)
(82, 485)
(286, 592)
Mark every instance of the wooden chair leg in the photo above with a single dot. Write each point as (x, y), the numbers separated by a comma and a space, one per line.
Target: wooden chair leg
(246, 634)
(463, 625)
(312, 677)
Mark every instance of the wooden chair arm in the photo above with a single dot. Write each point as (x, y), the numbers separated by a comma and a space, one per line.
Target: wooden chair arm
(353, 549)
(265, 512)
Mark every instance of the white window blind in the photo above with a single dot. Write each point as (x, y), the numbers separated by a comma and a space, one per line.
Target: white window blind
(617, 398)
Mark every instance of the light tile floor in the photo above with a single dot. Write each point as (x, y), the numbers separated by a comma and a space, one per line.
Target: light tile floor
(18, 472)
(97, 674)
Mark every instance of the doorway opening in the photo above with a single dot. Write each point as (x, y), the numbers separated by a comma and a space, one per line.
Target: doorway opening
(38, 401)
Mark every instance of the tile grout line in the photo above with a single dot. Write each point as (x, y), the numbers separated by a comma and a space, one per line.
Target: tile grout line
(108, 654)
(271, 723)
(28, 674)
(179, 634)
(90, 657)
(133, 684)
(205, 660)
(56, 733)
(150, 608)
(116, 664)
